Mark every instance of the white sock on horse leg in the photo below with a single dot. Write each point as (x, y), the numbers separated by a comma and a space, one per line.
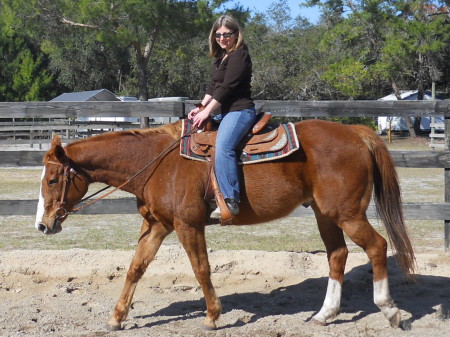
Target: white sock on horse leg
(331, 303)
(382, 298)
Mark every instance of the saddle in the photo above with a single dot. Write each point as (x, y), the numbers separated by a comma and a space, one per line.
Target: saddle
(264, 142)
(262, 138)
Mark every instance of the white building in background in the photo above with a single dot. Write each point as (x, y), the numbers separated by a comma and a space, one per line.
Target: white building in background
(101, 95)
(106, 95)
(398, 123)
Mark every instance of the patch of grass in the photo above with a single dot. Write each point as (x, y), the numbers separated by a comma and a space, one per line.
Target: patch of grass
(19, 183)
(421, 185)
(122, 232)
(287, 234)
(79, 231)
(401, 142)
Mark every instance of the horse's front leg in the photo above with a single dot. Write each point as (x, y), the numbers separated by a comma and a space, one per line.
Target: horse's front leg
(152, 235)
(193, 241)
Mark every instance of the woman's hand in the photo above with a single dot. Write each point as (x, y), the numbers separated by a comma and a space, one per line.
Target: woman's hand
(193, 112)
(201, 113)
(199, 117)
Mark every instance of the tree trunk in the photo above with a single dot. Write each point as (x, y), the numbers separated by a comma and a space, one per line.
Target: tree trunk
(420, 96)
(142, 57)
(141, 63)
(421, 76)
(143, 94)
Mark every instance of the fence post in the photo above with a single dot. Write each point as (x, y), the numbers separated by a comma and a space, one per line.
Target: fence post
(447, 177)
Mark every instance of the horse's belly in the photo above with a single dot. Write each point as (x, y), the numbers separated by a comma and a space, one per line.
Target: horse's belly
(273, 191)
(269, 207)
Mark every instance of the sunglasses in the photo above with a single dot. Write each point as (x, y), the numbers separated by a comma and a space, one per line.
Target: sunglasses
(225, 35)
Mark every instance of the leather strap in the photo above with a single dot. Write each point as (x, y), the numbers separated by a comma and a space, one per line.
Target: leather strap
(225, 218)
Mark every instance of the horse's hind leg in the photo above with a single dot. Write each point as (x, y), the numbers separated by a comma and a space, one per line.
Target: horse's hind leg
(362, 233)
(193, 241)
(337, 252)
(152, 235)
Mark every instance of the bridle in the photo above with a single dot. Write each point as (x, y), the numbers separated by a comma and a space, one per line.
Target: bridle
(62, 212)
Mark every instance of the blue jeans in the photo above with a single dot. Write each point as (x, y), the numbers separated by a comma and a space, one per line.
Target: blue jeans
(234, 125)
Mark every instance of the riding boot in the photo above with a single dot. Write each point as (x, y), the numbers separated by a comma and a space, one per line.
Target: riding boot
(232, 206)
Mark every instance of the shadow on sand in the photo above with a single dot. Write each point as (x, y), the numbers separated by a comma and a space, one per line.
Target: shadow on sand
(430, 294)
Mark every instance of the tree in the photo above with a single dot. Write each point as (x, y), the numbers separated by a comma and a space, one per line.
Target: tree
(284, 55)
(80, 62)
(135, 24)
(384, 45)
(23, 73)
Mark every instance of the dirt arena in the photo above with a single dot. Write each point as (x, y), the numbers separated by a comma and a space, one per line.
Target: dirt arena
(73, 292)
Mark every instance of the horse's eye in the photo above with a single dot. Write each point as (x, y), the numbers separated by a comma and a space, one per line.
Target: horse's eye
(53, 181)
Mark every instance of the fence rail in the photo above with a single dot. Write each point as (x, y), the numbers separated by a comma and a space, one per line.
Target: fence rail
(178, 109)
(418, 159)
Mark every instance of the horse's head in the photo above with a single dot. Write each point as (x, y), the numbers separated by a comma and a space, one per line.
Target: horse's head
(61, 189)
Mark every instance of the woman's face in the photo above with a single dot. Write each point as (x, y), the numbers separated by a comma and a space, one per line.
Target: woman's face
(227, 41)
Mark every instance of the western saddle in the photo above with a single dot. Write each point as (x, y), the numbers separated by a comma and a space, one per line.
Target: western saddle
(261, 138)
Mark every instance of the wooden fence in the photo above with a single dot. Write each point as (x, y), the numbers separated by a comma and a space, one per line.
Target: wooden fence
(67, 110)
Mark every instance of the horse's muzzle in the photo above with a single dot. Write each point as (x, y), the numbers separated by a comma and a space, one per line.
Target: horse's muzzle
(55, 228)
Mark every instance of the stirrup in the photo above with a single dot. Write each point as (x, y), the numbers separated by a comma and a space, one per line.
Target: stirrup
(224, 212)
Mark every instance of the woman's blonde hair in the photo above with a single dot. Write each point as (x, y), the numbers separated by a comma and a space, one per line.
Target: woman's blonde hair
(224, 21)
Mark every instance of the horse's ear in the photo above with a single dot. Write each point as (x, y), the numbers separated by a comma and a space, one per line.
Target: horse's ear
(58, 149)
(56, 141)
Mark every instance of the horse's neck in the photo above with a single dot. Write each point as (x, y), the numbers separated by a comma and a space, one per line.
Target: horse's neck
(102, 160)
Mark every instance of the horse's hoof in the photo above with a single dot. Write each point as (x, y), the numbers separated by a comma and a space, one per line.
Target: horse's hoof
(209, 328)
(113, 327)
(209, 325)
(395, 320)
(317, 322)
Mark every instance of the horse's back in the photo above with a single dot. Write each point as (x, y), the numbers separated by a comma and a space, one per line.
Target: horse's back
(332, 147)
(328, 136)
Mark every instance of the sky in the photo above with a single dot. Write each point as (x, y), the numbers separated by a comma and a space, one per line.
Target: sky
(263, 5)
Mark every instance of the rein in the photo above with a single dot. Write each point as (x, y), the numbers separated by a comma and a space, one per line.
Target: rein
(68, 169)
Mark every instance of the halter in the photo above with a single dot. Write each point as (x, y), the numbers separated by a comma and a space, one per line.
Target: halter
(66, 180)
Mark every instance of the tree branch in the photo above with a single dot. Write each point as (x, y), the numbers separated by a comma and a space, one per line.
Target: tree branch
(150, 44)
(351, 5)
(71, 23)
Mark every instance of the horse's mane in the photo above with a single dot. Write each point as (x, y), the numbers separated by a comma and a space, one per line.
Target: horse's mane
(173, 130)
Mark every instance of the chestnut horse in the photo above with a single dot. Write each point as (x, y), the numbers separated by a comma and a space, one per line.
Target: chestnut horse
(336, 170)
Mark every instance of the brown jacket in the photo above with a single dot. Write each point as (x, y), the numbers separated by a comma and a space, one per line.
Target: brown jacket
(231, 81)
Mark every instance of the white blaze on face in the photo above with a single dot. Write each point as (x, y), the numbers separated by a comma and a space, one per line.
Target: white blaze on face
(40, 207)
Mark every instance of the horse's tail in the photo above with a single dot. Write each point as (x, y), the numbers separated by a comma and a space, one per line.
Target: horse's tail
(388, 198)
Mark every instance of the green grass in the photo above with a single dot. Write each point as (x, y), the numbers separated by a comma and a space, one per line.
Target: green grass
(288, 234)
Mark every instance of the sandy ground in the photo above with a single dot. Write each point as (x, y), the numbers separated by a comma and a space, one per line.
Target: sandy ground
(73, 292)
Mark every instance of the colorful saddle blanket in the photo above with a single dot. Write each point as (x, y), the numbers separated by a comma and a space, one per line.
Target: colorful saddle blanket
(271, 143)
